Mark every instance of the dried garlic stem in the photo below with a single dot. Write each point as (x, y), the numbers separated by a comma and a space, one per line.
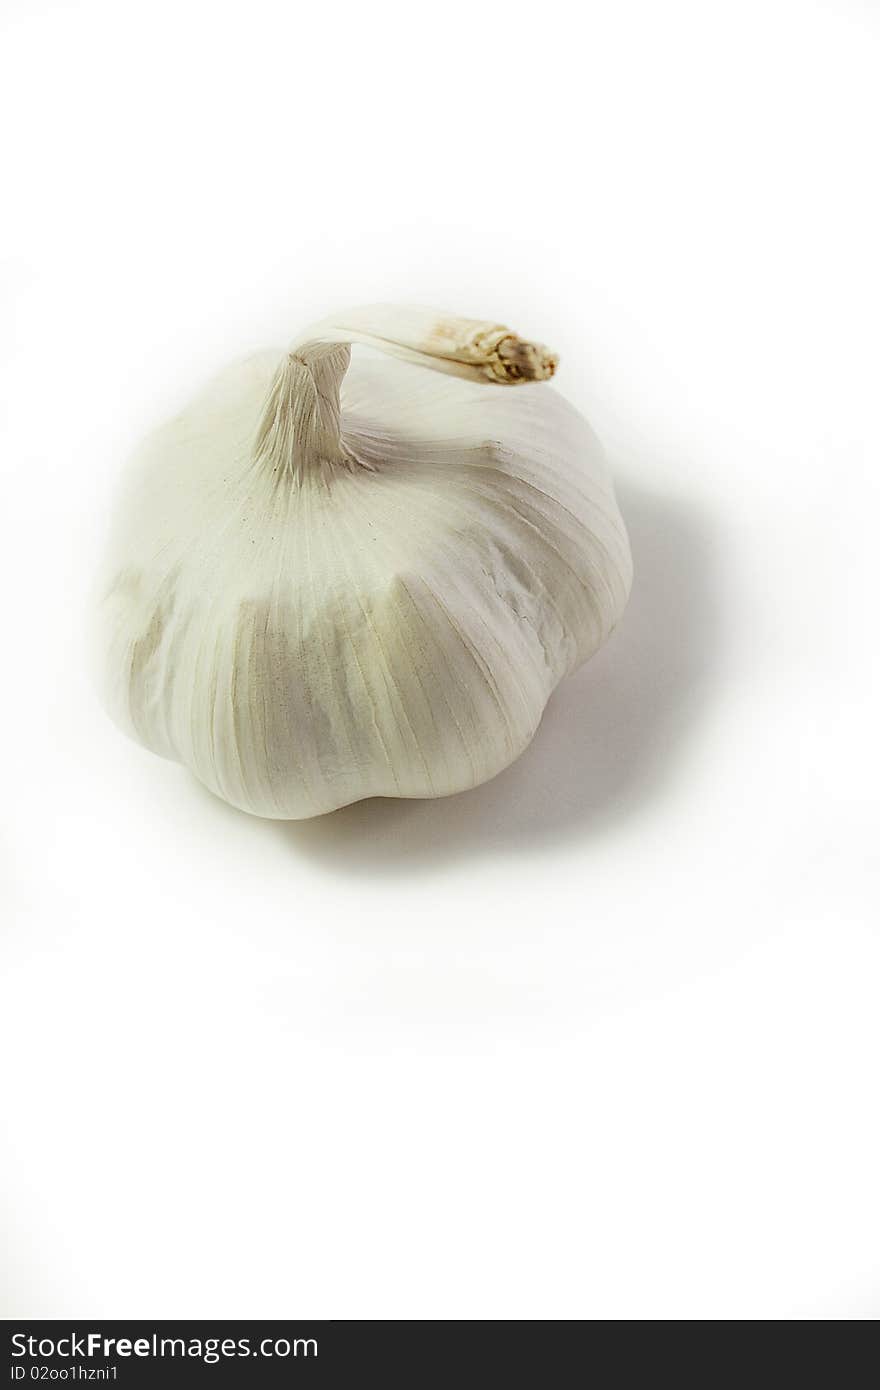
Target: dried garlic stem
(300, 423)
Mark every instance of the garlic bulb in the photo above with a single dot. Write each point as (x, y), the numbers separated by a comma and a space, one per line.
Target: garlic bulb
(337, 577)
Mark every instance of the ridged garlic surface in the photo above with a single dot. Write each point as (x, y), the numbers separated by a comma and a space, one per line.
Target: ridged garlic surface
(342, 575)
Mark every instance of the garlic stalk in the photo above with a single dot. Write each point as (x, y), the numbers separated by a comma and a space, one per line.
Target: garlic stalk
(344, 575)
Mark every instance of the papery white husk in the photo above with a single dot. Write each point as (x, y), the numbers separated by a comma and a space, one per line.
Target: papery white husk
(383, 613)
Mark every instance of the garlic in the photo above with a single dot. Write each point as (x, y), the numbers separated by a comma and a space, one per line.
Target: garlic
(335, 578)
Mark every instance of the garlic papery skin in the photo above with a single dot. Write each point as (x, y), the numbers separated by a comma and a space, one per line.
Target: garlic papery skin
(343, 574)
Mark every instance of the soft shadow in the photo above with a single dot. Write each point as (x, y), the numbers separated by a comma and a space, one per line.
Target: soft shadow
(609, 740)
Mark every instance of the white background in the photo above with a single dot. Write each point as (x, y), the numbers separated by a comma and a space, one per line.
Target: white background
(601, 1038)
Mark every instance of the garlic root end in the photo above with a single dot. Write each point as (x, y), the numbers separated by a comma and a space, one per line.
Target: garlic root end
(513, 360)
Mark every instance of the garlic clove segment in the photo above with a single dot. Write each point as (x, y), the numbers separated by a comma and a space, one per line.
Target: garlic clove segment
(345, 574)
